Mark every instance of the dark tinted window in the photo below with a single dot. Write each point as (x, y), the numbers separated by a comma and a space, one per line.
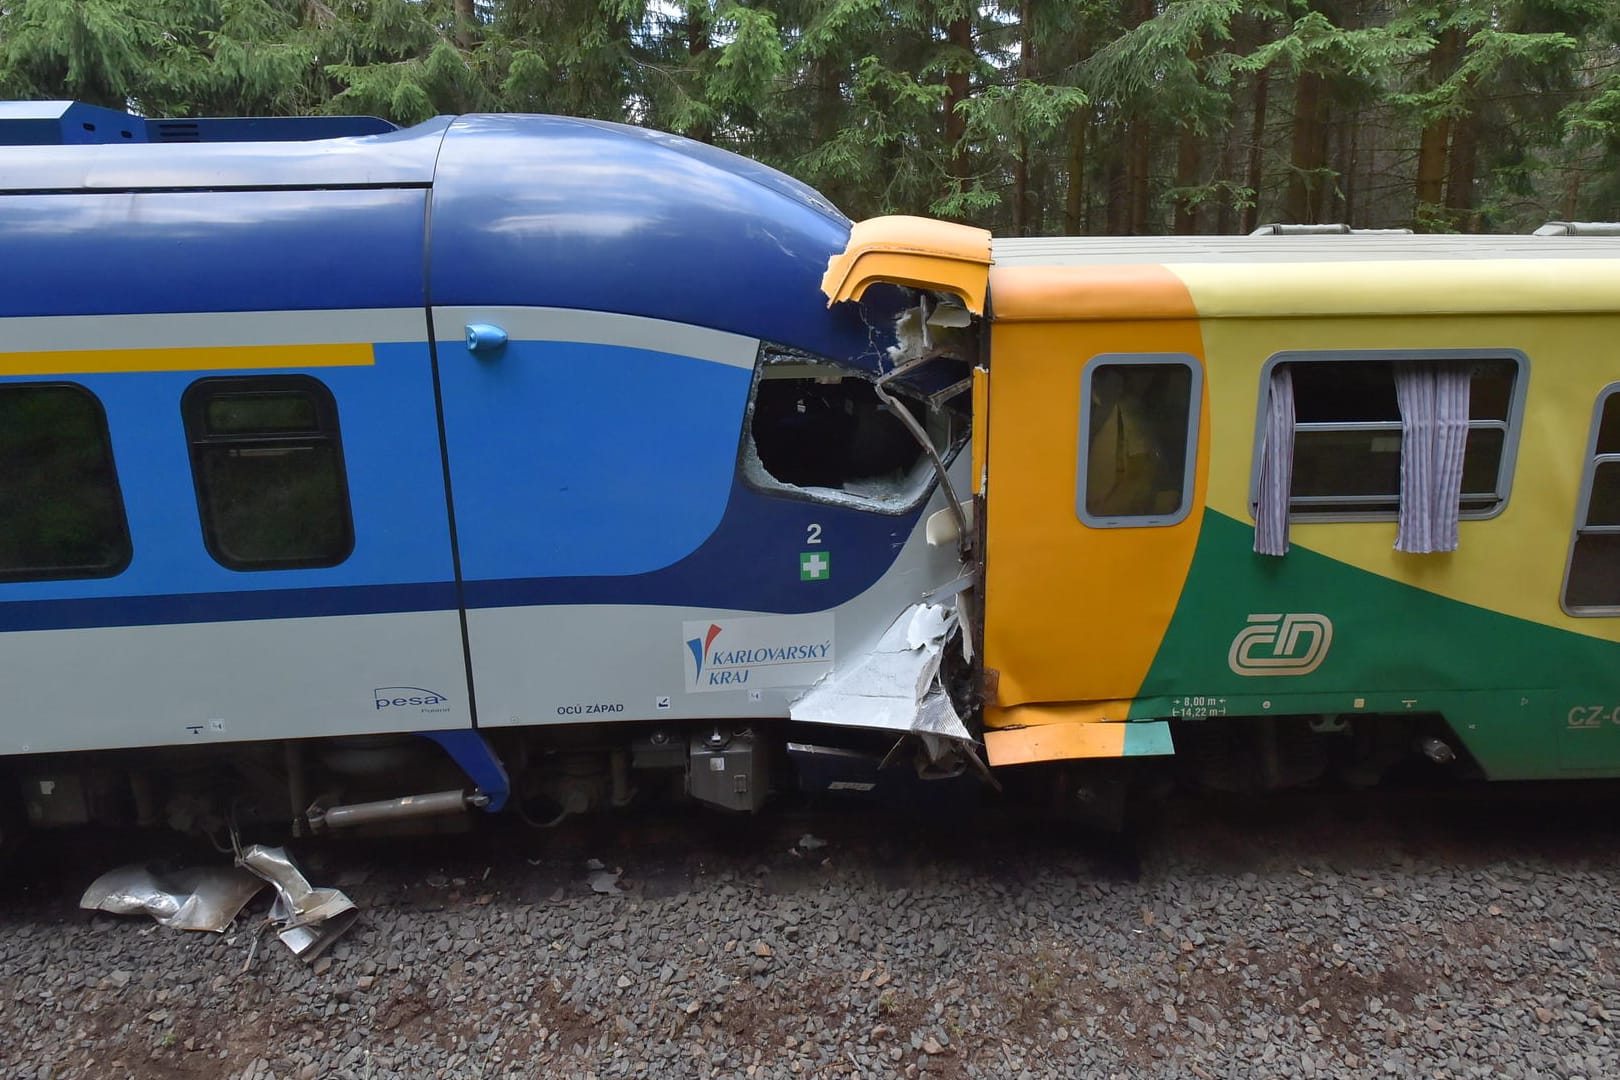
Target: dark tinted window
(1345, 392)
(61, 515)
(261, 414)
(1593, 583)
(1135, 460)
(268, 465)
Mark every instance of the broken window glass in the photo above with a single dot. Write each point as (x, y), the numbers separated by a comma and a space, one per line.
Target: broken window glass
(823, 430)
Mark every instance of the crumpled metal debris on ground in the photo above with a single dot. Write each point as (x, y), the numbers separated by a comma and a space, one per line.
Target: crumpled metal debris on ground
(193, 898)
(600, 878)
(308, 919)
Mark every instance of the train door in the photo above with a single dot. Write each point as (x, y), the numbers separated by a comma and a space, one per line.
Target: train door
(586, 453)
(1097, 436)
(227, 519)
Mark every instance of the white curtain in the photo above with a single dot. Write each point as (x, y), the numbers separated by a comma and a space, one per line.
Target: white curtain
(1276, 465)
(1433, 398)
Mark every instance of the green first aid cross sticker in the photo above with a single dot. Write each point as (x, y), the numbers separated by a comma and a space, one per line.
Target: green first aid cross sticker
(815, 565)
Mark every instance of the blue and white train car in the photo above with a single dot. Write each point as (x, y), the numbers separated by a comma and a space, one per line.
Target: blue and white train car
(533, 436)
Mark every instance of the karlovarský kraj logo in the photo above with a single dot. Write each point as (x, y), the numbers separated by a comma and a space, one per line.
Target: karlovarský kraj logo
(1281, 645)
(770, 651)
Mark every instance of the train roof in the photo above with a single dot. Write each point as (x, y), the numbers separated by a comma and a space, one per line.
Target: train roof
(527, 211)
(256, 153)
(263, 158)
(1304, 276)
(1376, 247)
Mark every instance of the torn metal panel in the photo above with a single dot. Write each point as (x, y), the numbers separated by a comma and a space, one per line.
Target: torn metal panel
(311, 919)
(193, 898)
(935, 329)
(896, 687)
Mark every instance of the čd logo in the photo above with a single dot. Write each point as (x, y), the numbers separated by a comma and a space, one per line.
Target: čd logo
(1281, 645)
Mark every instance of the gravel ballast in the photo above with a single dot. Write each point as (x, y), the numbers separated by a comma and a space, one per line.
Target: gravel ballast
(1397, 937)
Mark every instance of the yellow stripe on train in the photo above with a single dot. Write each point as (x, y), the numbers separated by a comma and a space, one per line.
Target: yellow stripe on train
(203, 358)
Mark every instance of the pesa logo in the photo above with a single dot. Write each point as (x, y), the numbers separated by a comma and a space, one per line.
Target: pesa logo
(399, 697)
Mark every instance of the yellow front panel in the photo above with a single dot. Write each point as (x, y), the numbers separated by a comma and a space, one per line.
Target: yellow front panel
(1072, 612)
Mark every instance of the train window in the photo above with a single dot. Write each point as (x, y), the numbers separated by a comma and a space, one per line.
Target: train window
(1138, 439)
(268, 467)
(1346, 453)
(61, 513)
(822, 431)
(1592, 576)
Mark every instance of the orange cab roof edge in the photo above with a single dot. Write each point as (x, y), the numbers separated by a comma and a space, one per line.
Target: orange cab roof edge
(936, 255)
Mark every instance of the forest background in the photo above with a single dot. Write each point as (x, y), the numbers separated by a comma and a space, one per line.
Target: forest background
(1030, 117)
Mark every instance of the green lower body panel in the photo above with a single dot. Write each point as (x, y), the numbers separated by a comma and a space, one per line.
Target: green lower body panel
(1307, 635)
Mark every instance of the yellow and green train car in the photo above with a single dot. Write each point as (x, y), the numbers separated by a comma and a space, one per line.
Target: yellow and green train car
(1422, 433)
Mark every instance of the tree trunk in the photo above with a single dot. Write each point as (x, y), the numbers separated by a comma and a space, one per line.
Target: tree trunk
(1117, 221)
(1074, 201)
(1225, 212)
(466, 23)
(1334, 195)
(1139, 176)
(1040, 183)
(1187, 164)
(1139, 145)
(1460, 174)
(1431, 165)
(1026, 72)
(1309, 151)
(1431, 168)
(960, 34)
(697, 43)
(1020, 217)
(1187, 160)
(1347, 171)
(829, 87)
(1255, 177)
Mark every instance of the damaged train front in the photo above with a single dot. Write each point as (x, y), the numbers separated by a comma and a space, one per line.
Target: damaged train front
(920, 286)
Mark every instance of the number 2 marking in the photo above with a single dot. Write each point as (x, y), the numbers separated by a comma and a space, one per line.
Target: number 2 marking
(813, 534)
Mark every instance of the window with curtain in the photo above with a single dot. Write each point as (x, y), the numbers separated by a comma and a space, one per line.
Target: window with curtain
(1380, 436)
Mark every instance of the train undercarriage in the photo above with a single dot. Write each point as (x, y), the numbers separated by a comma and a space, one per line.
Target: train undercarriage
(396, 784)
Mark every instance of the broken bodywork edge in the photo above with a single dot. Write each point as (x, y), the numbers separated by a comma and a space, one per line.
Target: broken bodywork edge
(898, 687)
